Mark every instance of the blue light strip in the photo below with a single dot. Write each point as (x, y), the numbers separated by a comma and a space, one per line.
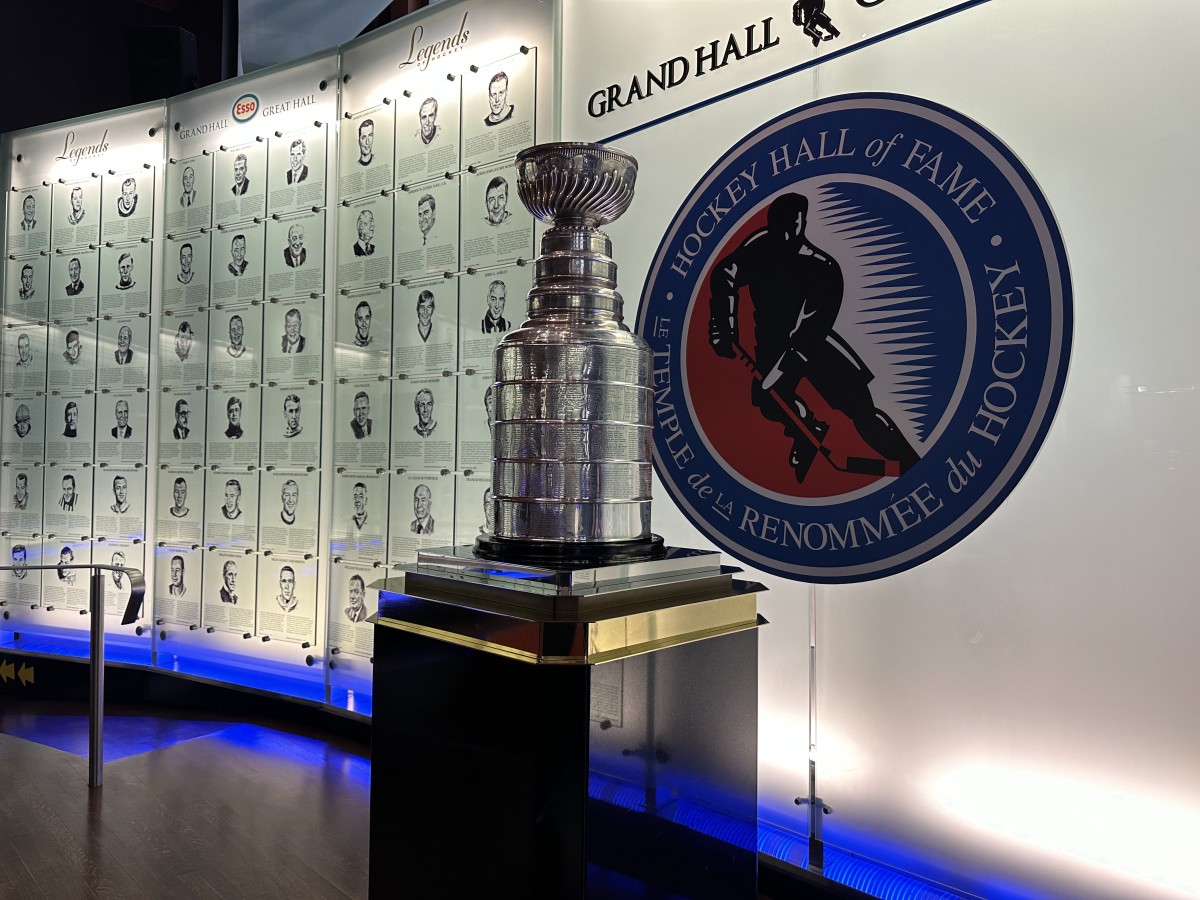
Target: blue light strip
(853, 871)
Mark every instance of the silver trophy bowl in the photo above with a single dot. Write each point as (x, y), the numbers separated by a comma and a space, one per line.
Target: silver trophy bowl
(571, 442)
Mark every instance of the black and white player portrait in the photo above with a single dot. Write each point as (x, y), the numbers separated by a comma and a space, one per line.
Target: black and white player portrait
(124, 352)
(183, 413)
(287, 598)
(184, 340)
(27, 291)
(186, 273)
(426, 304)
(128, 199)
(422, 510)
(77, 213)
(290, 523)
(29, 213)
(179, 492)
(66, 557)
(20, 560)
(426, 216)
(73, 354)
(294, 253)
(366, 142)
(496, 201)
(493, 319)
(298, 171)
(237, 336)
(289, 500)
(489, 407)
(293, 336)
(189, 195)
(237, 251)
(427, 115)
(361, 424)
(120, 489)
(22, 421)
(359, 518)
(125, 280)
(118, 578)
(75, 272)
(362, 324)
(71, 420)
(177, 587)
(241, 183)
(21, 491)
(233, 500)
(233, 415)
(122, 430)
(423, 407)
(70, 497)
(229, 574)
(24, 352)
(499, 109)
(365, 226)
(356, 593)
(292, 426)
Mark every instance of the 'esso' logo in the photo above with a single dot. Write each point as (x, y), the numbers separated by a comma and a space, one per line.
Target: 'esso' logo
(245, 108)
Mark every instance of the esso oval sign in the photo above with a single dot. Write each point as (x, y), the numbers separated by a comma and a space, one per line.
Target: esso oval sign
(245, 108)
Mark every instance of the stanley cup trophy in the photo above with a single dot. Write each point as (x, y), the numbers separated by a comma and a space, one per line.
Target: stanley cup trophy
(571, 443)
(496, 666)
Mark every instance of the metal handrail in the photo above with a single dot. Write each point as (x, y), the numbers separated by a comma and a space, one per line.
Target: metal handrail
(137, 595)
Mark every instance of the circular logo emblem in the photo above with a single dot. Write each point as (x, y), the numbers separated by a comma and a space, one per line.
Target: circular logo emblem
(245, 108)
(861, 322)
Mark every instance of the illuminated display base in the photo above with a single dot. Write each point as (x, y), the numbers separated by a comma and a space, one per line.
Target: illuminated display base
(564, 733)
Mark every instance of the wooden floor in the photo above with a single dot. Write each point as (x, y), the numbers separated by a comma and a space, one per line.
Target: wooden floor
(189, 808)
(197, 806)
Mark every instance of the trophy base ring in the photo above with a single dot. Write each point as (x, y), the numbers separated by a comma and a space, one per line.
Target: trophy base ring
(567, 555)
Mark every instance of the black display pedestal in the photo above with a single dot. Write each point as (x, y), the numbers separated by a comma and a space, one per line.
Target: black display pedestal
(565, 735)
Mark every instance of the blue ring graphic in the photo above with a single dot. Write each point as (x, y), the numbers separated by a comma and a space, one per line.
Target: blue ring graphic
(993, 217)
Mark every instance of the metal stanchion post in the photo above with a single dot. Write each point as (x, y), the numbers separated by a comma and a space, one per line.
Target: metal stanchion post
(96, 699)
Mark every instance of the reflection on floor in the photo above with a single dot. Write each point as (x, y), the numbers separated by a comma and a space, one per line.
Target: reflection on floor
(207, 806)
(191, 807)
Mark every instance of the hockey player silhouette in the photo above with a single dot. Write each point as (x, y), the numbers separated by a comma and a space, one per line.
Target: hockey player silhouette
(811, 15)
(796, 290)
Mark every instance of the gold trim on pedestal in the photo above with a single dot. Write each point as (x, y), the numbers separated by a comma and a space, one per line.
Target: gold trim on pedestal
(578, 643)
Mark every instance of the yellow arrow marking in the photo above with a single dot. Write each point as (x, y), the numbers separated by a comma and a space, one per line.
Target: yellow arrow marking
(25, 673)
(6, 670)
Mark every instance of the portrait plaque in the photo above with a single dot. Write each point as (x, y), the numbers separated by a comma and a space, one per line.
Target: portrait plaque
(239, 183)
(74, 285)
(365, 158)
(423, 423)
(189, 194)
(28, 223)
(424, 332)
(363, 332)
(297, 170)
(125, 279)
(178, 584)
(230, 591)
(127, 206)
(76, 213)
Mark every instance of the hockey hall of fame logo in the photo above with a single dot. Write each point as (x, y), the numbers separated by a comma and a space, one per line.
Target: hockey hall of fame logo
(860, 321)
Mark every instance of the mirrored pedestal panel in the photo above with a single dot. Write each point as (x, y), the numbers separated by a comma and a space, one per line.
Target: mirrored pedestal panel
(565, 734)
